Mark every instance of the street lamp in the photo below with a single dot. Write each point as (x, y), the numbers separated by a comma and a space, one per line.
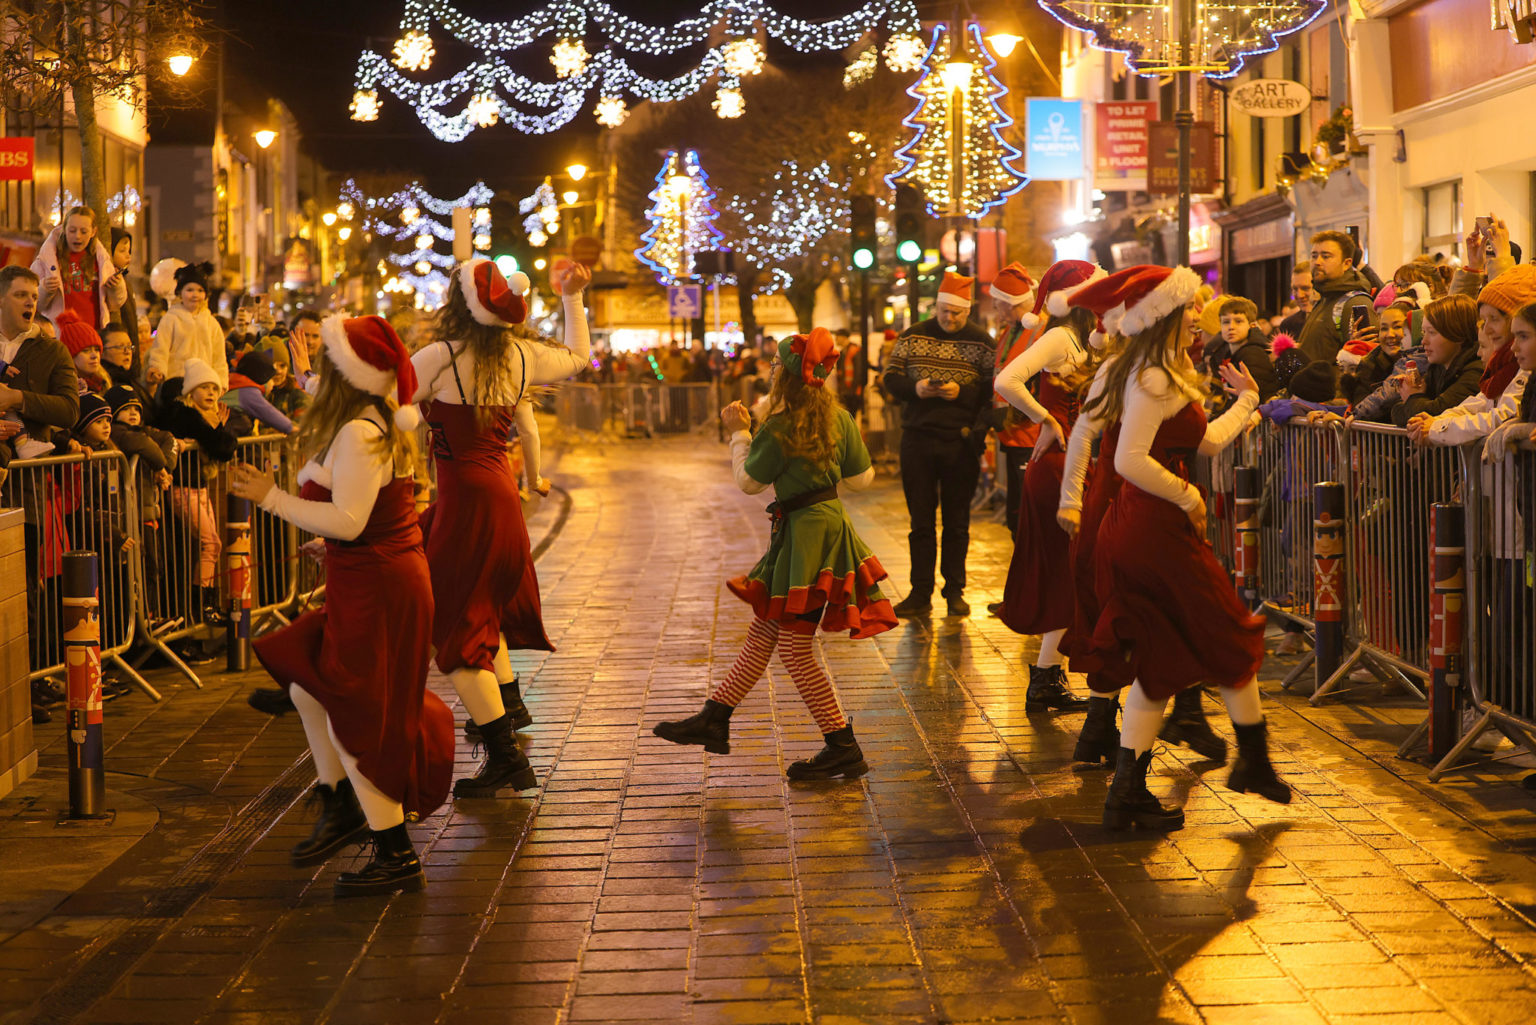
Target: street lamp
(1003, 43)
(265, 137)
(570, 196)
(956, 75)
(576, 171)
(180, 63)
(344, 232)
(329, 217)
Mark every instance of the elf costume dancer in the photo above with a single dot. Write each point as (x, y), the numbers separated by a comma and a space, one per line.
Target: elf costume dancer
(817, 570)
(477, 544)
(1037, 598)
(356, 668)
(1169, 617)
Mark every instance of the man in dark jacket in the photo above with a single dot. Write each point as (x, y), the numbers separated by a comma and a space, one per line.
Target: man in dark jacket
(39, 390)
(940, 370)
(1343, 297)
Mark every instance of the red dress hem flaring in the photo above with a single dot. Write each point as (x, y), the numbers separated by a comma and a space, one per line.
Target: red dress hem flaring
(829, 593)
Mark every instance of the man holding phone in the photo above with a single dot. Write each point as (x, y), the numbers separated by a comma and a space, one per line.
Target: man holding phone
(1344, 307)
(1489, 254)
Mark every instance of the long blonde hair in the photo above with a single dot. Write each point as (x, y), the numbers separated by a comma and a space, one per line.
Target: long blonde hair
(808, 413)
(338, 401)
(1155, 348)
(488, 344)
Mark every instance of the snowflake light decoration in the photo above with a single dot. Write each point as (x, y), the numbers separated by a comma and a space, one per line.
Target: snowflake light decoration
(742, 58)
(728, 103)
(413, 51)
(569, 57)
(364, 105)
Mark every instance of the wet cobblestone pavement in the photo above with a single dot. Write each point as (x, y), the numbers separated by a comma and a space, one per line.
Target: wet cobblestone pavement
(965, 879)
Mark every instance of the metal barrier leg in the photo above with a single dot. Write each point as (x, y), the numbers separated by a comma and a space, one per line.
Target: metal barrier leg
(134, 678)
(1328, 580)
(1300, 670)
(237, 560)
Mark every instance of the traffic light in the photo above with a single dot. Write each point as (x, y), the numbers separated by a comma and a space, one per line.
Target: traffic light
(911, 219)
(861, 231)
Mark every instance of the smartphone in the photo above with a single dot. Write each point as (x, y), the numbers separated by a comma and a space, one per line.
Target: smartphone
(1483, 223)
(1360, 317)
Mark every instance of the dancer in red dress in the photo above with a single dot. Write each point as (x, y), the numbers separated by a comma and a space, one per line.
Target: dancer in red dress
(356, 669)
(483, 579)
(1038, 596)
(1169, 616)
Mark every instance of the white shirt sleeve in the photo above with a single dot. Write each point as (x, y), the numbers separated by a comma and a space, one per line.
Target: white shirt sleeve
(1224, 430)
(741, 444)
(528, 434)
(1080, 445)
(429, 363)
(1053, 352)
(1477, 417)
(358, 472)
(1148, 402)
(860, 481)
(547, 364)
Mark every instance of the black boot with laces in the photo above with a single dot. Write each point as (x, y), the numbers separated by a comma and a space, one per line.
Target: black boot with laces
(1048, 690)
(710, 728)
(392, 868)
(505, 766)
(1130, 804)
(839, 757)
(341, 822)
(1188, 725)
(512, 703)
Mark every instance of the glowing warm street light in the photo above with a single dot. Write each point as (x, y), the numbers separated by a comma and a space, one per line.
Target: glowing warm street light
(180, 63)
(265, 137)
(678, 185)
(570, 196)
(577, 172)
(540, 263)
(344, 233)
(1003, 43)
(329, 218)
(957, 74)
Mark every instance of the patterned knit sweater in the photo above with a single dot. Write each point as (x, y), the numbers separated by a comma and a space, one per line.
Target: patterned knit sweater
(964, 357)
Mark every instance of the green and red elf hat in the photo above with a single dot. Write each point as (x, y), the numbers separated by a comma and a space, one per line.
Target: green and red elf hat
(811, 356)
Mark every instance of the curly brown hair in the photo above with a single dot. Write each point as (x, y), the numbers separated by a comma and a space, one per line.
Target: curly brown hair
(335, 403)
(809, 413)
(488, 344)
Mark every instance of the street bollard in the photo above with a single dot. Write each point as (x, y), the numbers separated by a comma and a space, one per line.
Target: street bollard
(237, 568)
(1245, 547)
(1447, 610)
(1328, 578)
(82, 657)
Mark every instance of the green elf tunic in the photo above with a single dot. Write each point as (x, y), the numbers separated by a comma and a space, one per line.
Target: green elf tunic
(815, 559)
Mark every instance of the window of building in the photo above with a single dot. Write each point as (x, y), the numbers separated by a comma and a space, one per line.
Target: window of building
(1442, 219)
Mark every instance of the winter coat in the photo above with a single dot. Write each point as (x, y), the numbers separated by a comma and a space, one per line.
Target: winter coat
(1252, 353)
(217, 444)
(111, 289)
(182, 335)
(1444, 387)
(1321, 336)
(249, 407)
(156, 450)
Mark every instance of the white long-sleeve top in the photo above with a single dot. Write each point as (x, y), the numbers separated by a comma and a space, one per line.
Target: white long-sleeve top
(354, 470)
(1477, 415)
(741, 444)
(1150, 400)
(528, 434)
(1056, 352)
(182, 335)
(528, 363)
(1089, 426)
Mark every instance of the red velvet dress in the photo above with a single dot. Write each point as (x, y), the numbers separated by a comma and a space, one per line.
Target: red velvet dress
(1100, 491)
(1038, 595)
(1169, 615)
(364, 654)
(483, 579)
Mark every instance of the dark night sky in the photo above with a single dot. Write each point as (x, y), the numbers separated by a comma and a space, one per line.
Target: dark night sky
(305, 52)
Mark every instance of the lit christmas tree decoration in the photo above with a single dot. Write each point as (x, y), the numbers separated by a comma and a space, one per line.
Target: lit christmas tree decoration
(454, 106)
(728, 103)
(417, 222)
(1226, 34)
(541, 213)
(862, 67)
(793, 214)
(983, 158)
(682, 218)
(414, 52)
(364, 105)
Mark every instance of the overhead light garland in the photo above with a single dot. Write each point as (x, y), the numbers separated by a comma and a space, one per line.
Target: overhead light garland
(417, 222)
(792, 215)
(1226, 33)
(453, 107)
(682, 218)
(541, 214)
(984, 159)
(862, 68)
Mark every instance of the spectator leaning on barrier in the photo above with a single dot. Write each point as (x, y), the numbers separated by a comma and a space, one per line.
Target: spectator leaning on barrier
(940, 370)
(304, 347)
(1343, 296)
(1520, 430)
(1241, 342)
(285, 392)
(76, 272)
(39, 390)
(188, 331)
(247, 396)
(191, 411)
(1448, 371)
(1376, 366)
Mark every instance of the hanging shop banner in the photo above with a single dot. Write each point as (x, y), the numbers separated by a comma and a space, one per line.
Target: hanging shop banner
(1120, 145)
(1054, 132)
(16, 159)
(1271, 97)
(1163, 158)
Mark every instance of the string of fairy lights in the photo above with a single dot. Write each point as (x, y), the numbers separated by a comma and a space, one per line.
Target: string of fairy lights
(681, 218)
(797, 208)
(490, 92)
(417, 222)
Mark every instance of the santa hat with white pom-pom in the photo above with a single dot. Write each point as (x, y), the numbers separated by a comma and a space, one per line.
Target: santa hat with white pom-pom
(1128, 302)
(370, 356)
(1056, 284)
(493, 300)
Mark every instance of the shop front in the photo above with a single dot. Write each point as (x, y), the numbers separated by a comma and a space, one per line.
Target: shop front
(1261, 250)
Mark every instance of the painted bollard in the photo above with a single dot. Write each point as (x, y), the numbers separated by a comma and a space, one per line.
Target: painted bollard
(237, 568)
(1447, 609)
(82, 658)
(1245, 546)
(1328, 578)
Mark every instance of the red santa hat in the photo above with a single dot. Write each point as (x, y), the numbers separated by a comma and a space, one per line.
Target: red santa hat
(367, 352)
(1128, 302)
(955, 290)
(1013, 285)
(1055, 285)
(493, 300)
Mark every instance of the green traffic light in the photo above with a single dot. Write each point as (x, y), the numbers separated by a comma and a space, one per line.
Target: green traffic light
(909, 251)
(863, 259)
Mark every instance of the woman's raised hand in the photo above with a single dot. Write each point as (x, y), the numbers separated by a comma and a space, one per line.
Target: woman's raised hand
(735, 418)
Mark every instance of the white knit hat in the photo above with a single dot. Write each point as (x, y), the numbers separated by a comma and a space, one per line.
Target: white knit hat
(197, 372)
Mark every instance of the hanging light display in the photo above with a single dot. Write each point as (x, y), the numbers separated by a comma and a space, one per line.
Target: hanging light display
(418, 223)
(1226, 32)
(791, 216)
(728, 103)
(862, 68)
(541, 214)
(454, 106)
(682, 218)
(957, 155)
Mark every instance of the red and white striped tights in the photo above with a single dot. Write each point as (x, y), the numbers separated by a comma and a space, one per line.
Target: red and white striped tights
(797, 653)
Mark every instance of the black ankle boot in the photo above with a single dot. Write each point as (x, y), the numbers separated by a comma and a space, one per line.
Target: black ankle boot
(393, 867)
(504, 766)
(710, 727)
(1100, 737)
(1048, 689)
(1252, 772)
(1129, 802)
(213, 613)
(512, 703)
(839, 757)
(1188, 725)
(271, 700)
(341, 822)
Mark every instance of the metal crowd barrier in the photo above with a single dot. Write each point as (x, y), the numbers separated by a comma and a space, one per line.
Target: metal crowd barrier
(639, 409)
(84, 502)
(1216, 478)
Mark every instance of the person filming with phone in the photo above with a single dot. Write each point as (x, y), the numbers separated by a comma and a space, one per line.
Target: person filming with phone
(1489, 254)
(1343, 309)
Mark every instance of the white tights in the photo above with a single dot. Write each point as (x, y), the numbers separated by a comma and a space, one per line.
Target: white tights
(332, 762)
(480, 694)
(502, 663)
(1143, 716)
(1050, 649)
